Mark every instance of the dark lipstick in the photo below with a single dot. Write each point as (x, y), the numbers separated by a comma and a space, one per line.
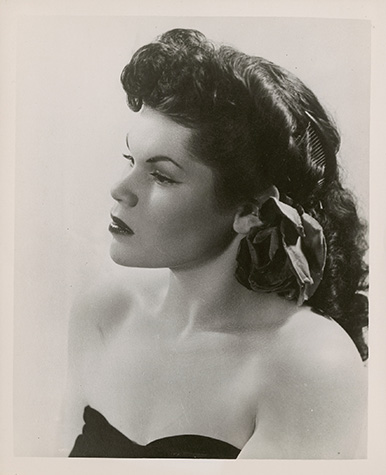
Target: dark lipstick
(119, 227)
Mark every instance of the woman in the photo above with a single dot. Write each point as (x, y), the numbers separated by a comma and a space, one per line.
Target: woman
(250, 344)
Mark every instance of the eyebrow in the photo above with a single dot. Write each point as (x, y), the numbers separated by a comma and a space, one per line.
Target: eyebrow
(157, 158)
(163, 158)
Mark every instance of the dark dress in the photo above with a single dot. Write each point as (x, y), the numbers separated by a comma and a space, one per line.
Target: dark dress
(100, 439)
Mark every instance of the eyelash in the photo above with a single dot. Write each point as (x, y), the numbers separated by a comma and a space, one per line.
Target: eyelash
(158, 177)
(129, 158)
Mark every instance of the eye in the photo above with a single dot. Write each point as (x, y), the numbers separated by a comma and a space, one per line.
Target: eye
(129, 158)
(162, 179)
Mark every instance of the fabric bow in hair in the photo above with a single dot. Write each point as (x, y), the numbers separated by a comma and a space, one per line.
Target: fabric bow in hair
(287, 255)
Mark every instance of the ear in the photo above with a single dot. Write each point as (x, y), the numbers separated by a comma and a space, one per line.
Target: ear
(248, 216)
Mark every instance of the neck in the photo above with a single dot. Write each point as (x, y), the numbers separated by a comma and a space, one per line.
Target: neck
(207, 295)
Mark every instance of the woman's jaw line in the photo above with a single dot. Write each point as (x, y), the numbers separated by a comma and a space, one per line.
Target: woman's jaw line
(194, 292)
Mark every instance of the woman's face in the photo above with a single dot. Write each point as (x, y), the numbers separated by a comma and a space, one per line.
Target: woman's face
(167, 199)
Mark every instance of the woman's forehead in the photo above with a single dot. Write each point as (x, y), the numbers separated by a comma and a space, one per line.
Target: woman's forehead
(154, 136)
(153, 130)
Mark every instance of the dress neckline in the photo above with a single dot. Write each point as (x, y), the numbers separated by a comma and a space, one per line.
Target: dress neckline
(90, 412)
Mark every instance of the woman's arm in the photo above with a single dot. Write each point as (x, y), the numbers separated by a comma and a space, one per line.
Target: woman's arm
(314, 406)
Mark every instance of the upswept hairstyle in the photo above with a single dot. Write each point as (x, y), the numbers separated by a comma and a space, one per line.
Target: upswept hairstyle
(254, 124)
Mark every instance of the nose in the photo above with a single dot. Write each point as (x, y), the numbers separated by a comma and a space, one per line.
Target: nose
(122, 191)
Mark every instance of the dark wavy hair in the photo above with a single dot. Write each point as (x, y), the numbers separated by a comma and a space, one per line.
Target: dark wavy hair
(251, 123)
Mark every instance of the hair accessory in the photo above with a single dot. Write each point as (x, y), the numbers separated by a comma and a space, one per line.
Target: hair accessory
(315, 142)
(286, 255)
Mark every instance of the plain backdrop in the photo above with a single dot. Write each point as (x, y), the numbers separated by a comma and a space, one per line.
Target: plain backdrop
(71, 122)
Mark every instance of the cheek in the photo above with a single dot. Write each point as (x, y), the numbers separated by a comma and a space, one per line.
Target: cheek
(191, 221)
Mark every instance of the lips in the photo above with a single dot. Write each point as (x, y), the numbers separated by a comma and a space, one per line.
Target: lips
(119, 227)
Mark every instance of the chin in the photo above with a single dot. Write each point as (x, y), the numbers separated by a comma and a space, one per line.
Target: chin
(120, 262)
(122, 258)
(119, 257)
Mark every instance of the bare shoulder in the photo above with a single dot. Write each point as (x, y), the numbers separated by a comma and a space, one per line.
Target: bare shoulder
(96, 315)
(313, 400)
(108, 301)
(316, 352)
(309, 339)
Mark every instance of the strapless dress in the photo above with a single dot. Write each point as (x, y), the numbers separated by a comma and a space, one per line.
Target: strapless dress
(100, 439)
